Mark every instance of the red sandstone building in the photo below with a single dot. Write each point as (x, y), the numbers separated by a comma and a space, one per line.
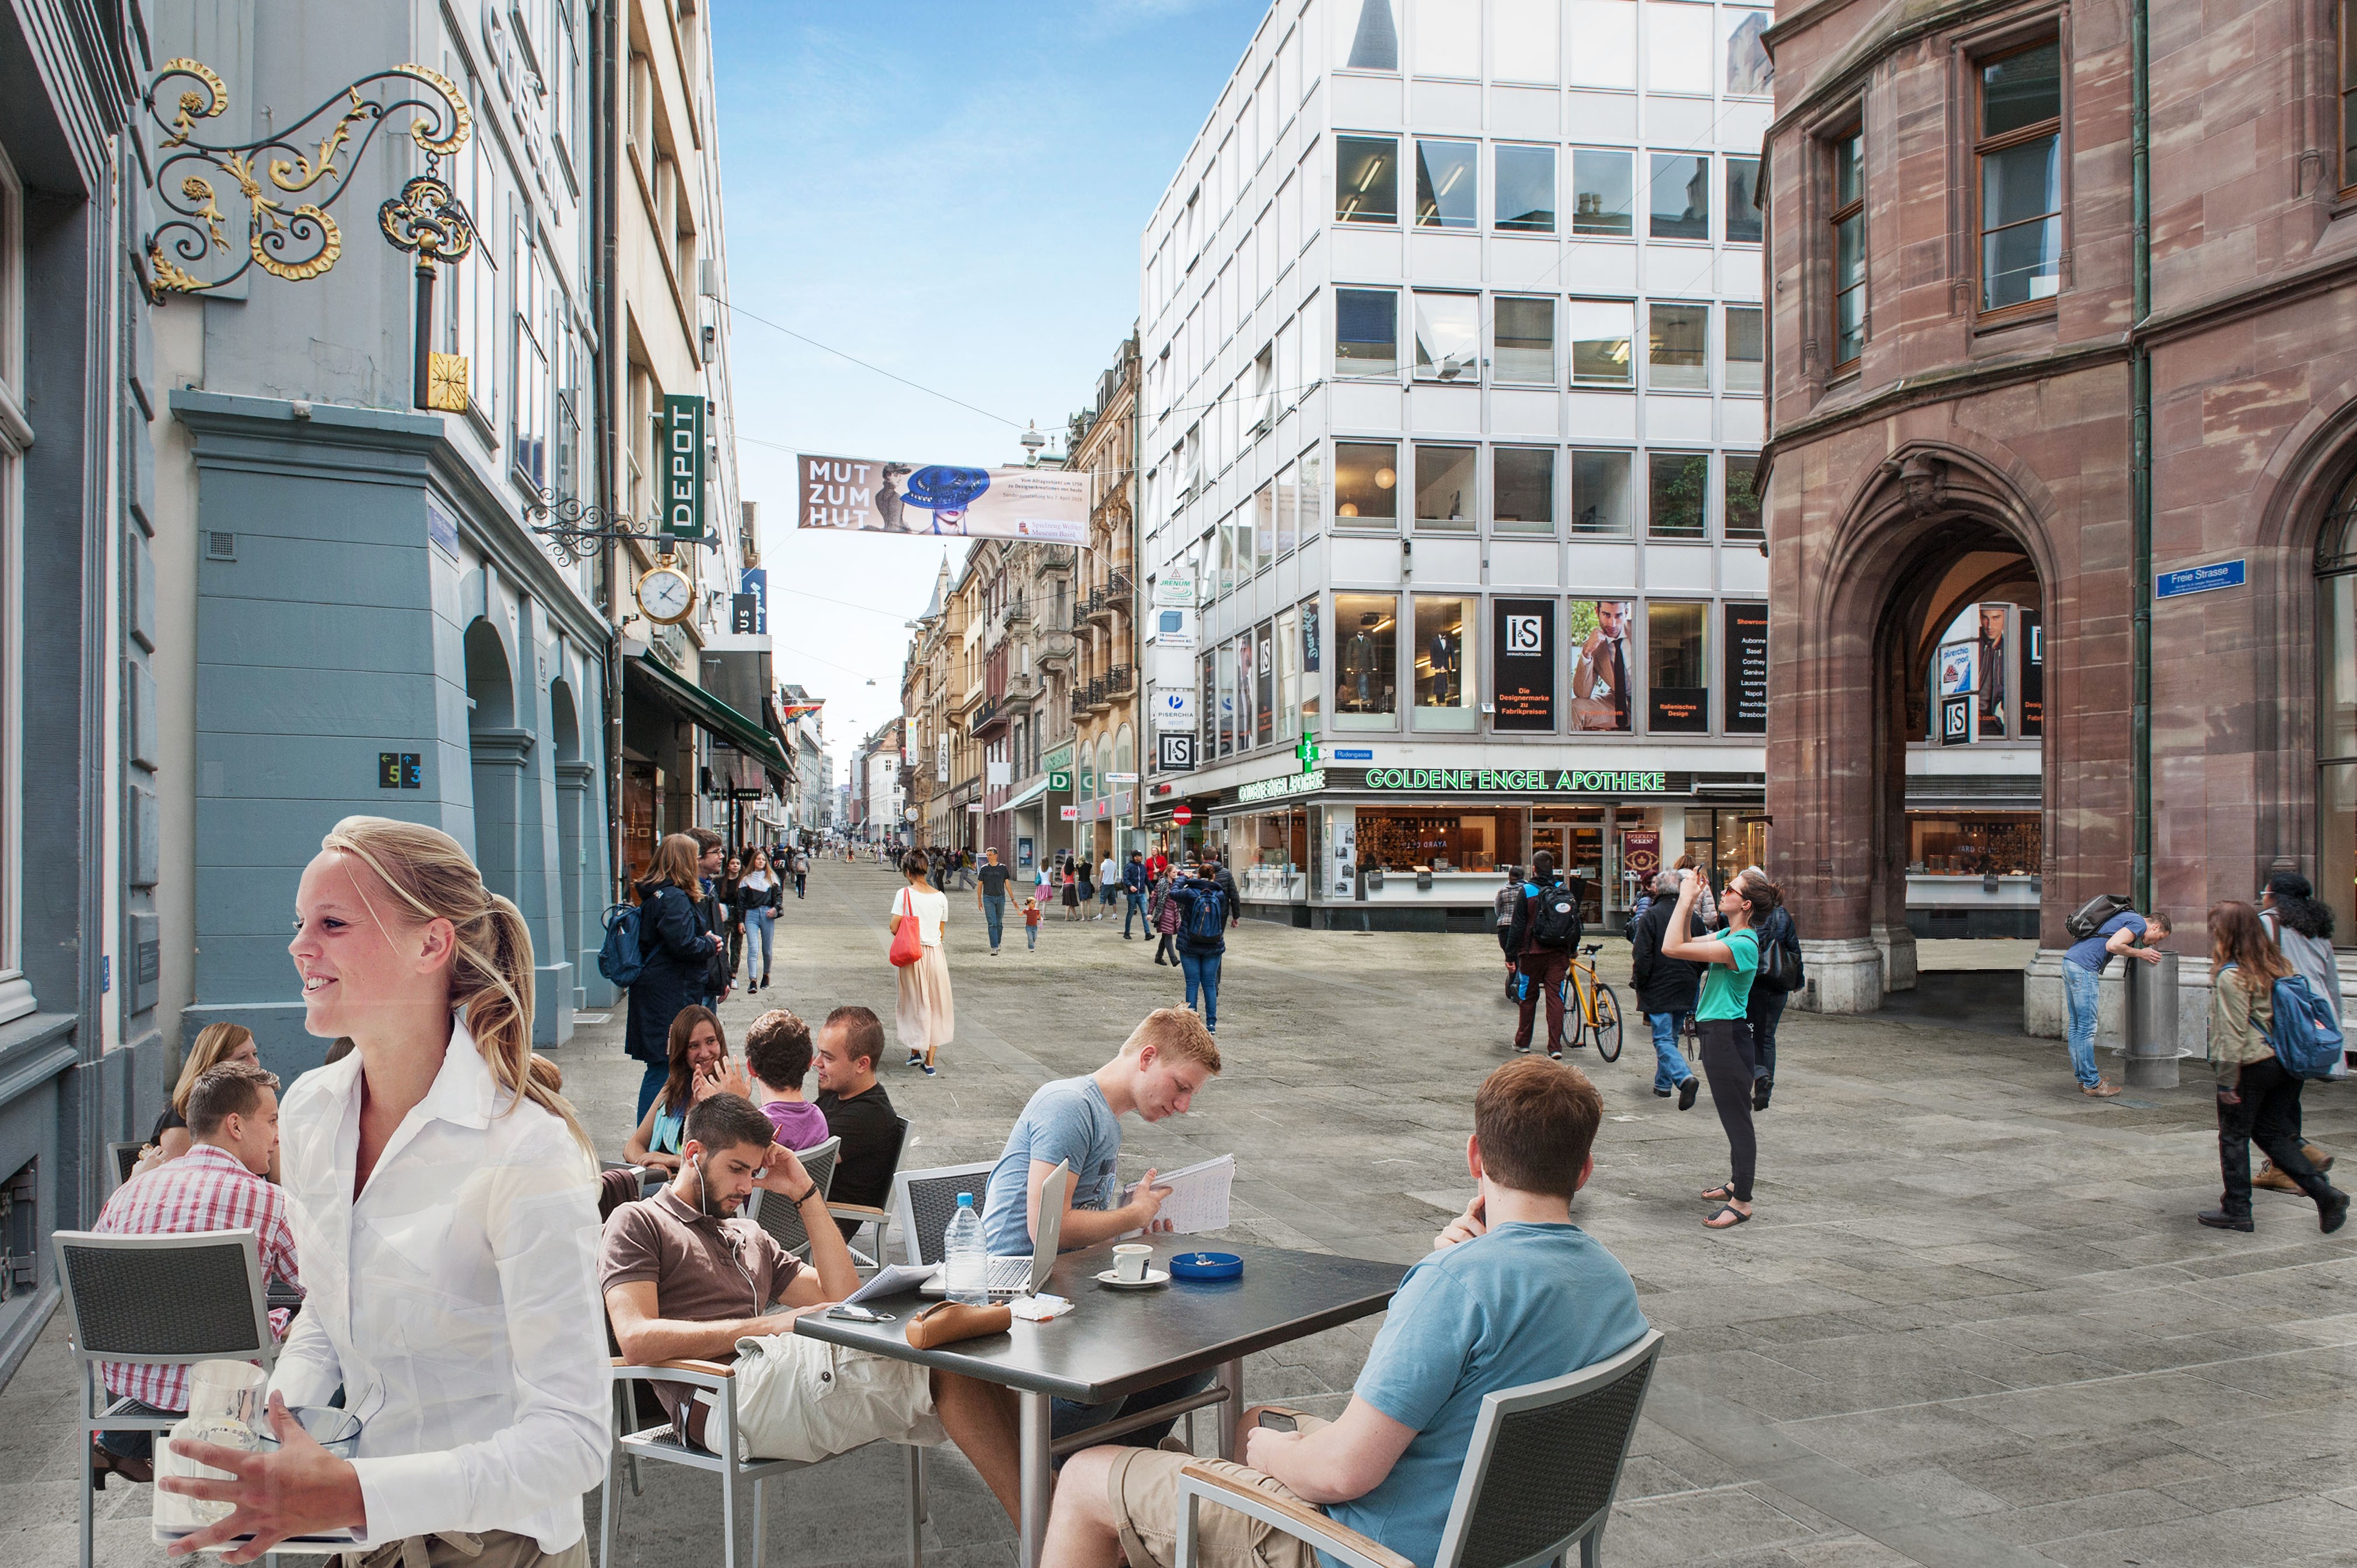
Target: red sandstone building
(1971, 317)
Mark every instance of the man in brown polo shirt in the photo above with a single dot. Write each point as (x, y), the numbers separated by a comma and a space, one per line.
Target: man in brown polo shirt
(685, 1278)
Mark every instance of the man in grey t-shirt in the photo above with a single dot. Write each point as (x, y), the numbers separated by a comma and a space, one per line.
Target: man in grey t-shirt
(1077, 1121)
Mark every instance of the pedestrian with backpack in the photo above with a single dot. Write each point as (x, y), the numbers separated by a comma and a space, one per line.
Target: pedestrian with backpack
(1202, 941)
(1543, 936)
(1667, 989)
(801, 873)
(2302, 927)
(1779, 977)
(675, 949)
(2268, 1030)
(1501, 905)
(2101, 935)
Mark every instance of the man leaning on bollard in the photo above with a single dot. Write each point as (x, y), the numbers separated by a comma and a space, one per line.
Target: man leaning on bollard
(2138, 935)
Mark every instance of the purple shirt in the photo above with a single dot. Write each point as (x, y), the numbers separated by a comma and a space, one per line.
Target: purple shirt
(800, 1125)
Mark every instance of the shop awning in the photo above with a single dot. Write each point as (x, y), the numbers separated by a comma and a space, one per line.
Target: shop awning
(1030, 793)
(702, 708)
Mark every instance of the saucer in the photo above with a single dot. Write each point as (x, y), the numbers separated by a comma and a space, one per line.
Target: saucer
(1153, 1277)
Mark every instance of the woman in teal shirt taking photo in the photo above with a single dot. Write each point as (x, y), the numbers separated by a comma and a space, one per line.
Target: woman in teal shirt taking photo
(1733, 956)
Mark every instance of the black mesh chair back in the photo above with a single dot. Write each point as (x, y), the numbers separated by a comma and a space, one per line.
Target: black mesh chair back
(1544, 1461)
(925, 1202)
(782, 1219)
(166, 1298)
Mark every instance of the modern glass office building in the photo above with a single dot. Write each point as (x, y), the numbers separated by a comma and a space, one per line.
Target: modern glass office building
(1453, 350)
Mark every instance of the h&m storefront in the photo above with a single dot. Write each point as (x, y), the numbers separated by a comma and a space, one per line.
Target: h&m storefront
(1386, 848)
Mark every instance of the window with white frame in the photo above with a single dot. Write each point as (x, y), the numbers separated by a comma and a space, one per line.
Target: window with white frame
(528, 366)
(1677, 47)
(1522, 340)
(1604, 43)
(1449, 338)
(1525, 40)
(1366, 332)
(1366, 34)
(1447, 37)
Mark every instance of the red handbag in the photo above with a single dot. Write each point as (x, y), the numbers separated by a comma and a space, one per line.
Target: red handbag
(908, 942)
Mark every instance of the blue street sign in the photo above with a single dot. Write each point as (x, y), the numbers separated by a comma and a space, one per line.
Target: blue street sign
(1354, 754)
(2199, 579)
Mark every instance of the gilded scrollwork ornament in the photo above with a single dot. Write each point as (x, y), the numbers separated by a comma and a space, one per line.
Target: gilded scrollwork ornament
(313, 159)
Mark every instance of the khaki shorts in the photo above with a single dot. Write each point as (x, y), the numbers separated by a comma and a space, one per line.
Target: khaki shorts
(799, 1397)
(1143, 1490)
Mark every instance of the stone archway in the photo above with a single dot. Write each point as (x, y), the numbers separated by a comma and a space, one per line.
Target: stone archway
(1934, 527)
(497, 749)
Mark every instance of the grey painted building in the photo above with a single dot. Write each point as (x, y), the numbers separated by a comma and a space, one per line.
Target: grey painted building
(80, 1046)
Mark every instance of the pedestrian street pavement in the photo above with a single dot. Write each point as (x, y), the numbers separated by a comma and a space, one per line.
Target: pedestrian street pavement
(1974, 1324)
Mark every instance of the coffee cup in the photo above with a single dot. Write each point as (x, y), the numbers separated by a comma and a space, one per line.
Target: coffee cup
(1129, 1262)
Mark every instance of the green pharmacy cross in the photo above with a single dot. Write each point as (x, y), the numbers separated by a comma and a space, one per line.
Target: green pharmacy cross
(1308, 751)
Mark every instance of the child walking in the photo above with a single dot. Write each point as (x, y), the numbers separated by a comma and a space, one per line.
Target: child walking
(1031, 924)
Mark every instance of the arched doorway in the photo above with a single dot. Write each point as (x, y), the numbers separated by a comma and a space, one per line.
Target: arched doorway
(572, 775)
(1883, 833)
(497, 750)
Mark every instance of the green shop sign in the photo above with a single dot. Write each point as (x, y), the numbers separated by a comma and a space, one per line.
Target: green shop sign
(1283, 784)
(680, 436)
(1511, 781)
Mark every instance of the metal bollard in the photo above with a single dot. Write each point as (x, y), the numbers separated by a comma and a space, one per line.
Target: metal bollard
(2151, 1022)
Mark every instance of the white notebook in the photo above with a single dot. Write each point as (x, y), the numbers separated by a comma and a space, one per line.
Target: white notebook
(1199, 1195)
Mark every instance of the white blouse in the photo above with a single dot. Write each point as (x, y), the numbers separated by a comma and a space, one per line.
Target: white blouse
(930, 911)
(456, 1302)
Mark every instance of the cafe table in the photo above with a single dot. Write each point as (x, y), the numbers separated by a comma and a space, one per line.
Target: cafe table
(1117, 1342)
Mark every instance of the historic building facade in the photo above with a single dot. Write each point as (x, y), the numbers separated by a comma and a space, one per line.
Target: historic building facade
(1104, 684)
(2063, 322)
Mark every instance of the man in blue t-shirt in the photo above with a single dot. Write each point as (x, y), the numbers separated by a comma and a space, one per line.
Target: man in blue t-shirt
(1515, 1294)
(2139, 937)
(1162, 1066)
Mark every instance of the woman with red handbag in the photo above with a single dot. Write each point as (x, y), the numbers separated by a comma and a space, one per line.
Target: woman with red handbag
(919, 914)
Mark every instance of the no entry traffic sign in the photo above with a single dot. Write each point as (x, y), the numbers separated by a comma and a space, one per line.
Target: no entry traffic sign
(1182, 814)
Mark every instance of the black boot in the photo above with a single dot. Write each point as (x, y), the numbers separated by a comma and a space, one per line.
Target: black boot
(2220, 1220)
(2331, 1203)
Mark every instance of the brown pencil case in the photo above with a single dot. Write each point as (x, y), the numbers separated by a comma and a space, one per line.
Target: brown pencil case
(947, 1322)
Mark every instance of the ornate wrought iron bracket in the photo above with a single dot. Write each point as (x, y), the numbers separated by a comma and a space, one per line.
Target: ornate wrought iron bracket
(301, 241)
(575, 527)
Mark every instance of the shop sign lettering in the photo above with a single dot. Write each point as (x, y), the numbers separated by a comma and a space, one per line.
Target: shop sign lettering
(1282, 785)
(1507, 781)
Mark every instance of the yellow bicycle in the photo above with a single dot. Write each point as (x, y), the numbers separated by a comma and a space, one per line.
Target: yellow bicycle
(1597, 1010)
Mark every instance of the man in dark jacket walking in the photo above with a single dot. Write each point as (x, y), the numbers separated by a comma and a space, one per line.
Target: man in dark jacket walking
(1667, 989)
(1133, 884)
(1217, 872)
(1539, 972)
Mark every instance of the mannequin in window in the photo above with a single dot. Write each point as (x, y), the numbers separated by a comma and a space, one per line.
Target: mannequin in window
(1360, 670)
(1600, 683)
(1446, 663)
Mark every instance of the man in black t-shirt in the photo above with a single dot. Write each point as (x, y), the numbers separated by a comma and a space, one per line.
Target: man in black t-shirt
(857, 1109)
(990, 897)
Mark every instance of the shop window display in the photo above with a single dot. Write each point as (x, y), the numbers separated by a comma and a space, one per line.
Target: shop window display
(1409, 840)
(2000, 843)
(1270, 855)
(1444, 663)
(1678, 701)
(1366, 679)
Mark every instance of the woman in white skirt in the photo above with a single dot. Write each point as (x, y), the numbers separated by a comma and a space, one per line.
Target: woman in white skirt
(925, 1017)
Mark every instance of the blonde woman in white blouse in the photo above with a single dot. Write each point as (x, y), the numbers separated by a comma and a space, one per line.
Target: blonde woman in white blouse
(925, 1017)
(443, 1203)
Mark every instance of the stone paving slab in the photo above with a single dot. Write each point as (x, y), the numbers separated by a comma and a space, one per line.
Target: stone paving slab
(1973, 1324)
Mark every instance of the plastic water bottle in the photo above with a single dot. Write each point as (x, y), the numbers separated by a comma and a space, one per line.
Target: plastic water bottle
(965, 1262)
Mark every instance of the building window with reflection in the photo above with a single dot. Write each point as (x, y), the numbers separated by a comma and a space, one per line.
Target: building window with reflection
(2018, 150)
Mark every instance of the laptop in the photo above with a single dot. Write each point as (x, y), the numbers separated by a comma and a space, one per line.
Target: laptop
(1024, 1274)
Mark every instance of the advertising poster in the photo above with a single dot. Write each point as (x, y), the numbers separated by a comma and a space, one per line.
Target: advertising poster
(864, 496)
(2032, 632)
(1991, 655)
(1521, 650)
(1746, 669)
(1604, 667)
(748, 610)
(1640, 854)
(1958, 668)
(1956, 720)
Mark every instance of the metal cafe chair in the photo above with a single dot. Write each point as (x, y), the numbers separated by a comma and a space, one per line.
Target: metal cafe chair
(154, 1301)
(661, 1443)
(1539, 1476)
(121, 1160)
(924, 1203)
(868, 1214)
(782, 1219)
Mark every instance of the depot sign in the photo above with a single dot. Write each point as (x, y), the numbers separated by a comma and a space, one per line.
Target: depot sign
(1518, 781)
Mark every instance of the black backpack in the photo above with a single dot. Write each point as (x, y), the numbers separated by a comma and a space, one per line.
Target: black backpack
(1780, 955)
(2088, 918)
(1555, 918)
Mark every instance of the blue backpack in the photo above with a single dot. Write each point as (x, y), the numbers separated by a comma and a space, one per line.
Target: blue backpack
(619, 958)
(1207, 917)
(2305, 1039)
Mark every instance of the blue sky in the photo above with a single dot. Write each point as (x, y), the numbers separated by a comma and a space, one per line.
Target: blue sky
(953, 192)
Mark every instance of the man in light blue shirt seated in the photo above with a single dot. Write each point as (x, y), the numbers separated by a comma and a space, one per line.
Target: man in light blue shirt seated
(1163, 1065)
(1514, 1293)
